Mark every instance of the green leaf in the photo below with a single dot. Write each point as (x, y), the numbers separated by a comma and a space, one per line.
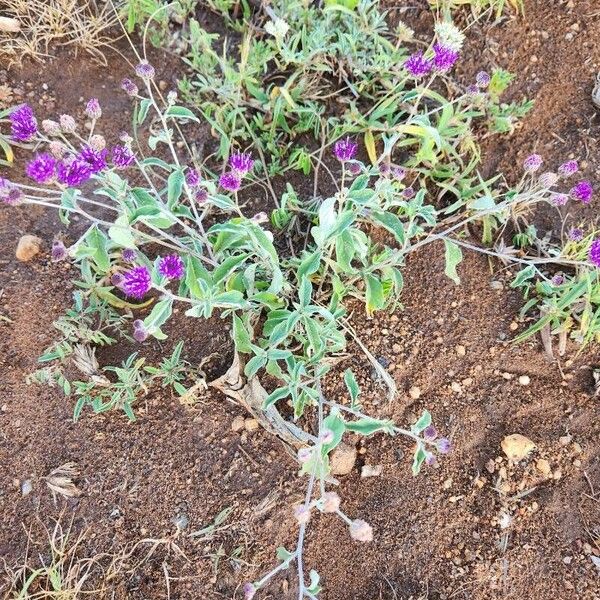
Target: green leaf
(374, 296)
(309, 265)
(392, 223)
(275, 396)
(174, 187)
(142, 112)
(453, 258)
(336, 424)
(369, 426)
(97, 241)
(423, 422)
(241, 336)
(120, 233)
(159, 315)
(352, 385)
(419, 459)
(180, 112)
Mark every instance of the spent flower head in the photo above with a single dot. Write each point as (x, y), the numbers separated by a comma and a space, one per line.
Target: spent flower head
(568, 168)
(302, 514)
(330, 502)
(576, 234)
(67, 124)
(140, 333)
(50, 127)
(345, 150)
(277, 27)
(58, 252)
(361, 531)
(249, 591)
(443, 445)
(97, 142)
(9, 193)
(23, 124)
(560, 199)
(548, 179)
(449, 35)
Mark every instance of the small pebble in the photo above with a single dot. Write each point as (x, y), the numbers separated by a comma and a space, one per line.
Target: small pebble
(524, 380)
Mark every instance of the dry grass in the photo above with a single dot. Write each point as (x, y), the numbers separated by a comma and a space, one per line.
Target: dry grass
(84, 25)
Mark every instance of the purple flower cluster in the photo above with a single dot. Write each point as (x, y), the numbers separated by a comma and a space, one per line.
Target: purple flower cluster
(444, 58)
(482, 79)
(145, 71)
(9, 193)
(171, 267)
(140, 333)
(41, 168)
(417, 65)
(241, 163)
(136, 283)
(568, 168)
(532, 163)
(345, 150)
(594, 253)
(23, 124)
(96, 159)
(192, 177)
(73, 172)
(122, 157)
(129, 255)
(230, 182)
(131, 89)
(583, 191)
(576, 234)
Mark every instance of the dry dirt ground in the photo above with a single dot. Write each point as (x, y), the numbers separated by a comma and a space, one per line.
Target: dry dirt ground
(474, 527)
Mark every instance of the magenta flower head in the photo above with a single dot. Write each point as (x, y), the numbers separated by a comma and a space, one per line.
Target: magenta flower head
(145, 71)
(122, 157)
(41, 168)
(241, 163)
(532, 163)
(59, 251)
(93, 110)
(192, 177)
(408, 193)
(137, 282)
(9, 193)
(443, 445)
(171, 267)
(482, 79)
(444, 58)
(594, 253)
(557, 280)
(576, 234)
(417, 65)
(230, 182)
(568, 168)
(96, 159)
(130, 88)
(399, 173)
(345, 150)
(583, 192)
(430, 433)
(73, 172)
(129, 255)
(249, 591)
(23, 124)
(140, 333)
(201, 195)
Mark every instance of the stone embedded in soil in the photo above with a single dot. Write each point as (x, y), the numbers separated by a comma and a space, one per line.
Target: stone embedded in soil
(543, 466)
(343, 459)
(251, 424)
(371, 471)
(517, 446)
(26, 487)
(238, 424)
(28, 247)
(524, 380)
(414, 392)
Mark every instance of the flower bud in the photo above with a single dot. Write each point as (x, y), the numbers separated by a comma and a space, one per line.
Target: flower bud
(67, 124)
(140, 333)
(59, 251)
(93, 110)
(97, 142)
(50, 127)
(361, 531)
(116, 279)
(430, 433)
(330, 502)
(130, 88)
(145, 71)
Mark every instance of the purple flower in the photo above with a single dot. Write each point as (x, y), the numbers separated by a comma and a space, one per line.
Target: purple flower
(201, 196)
(430, 433)
(23, 124)
(93, 110)
(473, 90)
(129, 255)
(482, 79)
(117, 279)
(137, 282)
(41, 168)
(354, 168)
(122, 157)
(443, 445)
(576, 234)
(583, 192)
(171, 267)
(594, 253)
(557, 280)
(145, 70)
(418, 66)
(399, 173)
(192, 177)
(568, 168)
(444, 58)
(9, 193)
(560, 199)
(230, 182)
(241, 162)
(140, 333)
(249, 591)
(96, 159)
(532, 163)
(59, 251)
(130, 88)
(430, 459)
(73, 173)
(408, 193)
(345, 149)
